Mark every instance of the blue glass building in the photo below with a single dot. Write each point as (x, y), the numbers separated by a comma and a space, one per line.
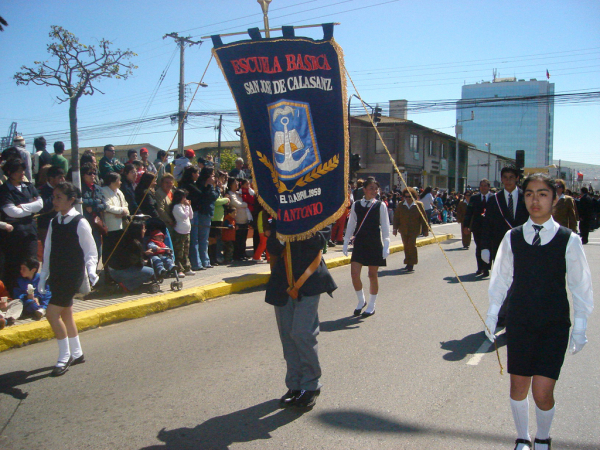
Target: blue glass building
(510, 115)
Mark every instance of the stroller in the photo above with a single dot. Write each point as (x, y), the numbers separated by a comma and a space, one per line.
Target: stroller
(151, 226)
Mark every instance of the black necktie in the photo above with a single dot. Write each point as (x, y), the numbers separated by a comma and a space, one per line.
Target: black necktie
(537, 240)
(483, 200)
(511, 213)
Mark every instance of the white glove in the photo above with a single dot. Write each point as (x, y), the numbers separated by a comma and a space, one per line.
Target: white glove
(491, 321)
(386, 249)
(578, 337)
(93, 279)
(490, 327)
(42, 282)
(345, 249)
(485, 256)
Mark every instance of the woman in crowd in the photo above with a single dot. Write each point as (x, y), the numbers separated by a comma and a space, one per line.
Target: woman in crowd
(369, 226)
(427, 201)
(94, 204)
(188, 182)
(164, 197)
(19, 201)
(145, 196)
(409, 220)
(116, 209)
(127, 265)
(461, 211)
(241, 220)
(128, 187)
(206, 183)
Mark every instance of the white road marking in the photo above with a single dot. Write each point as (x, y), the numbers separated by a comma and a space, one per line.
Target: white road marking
(480, 353)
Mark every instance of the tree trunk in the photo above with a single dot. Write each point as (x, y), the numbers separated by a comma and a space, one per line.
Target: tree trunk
(74, 146)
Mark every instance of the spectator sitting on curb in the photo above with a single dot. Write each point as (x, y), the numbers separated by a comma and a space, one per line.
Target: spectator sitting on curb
(10, 310)
(34, 302)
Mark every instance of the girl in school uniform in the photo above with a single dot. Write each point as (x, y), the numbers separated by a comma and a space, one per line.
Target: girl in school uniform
(535, 258)
(369, 217)
(70, 256)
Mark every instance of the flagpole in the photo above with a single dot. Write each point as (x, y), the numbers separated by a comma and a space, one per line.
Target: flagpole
(265, 7)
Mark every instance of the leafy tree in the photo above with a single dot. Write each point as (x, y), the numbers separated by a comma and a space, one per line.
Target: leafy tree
(228, 158)
(76, 68)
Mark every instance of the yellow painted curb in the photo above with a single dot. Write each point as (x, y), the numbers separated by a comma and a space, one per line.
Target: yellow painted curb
(30, 333)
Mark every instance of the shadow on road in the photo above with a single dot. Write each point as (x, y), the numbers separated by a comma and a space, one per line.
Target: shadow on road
(344, 323)
(468, 278)
(220, 432)
(469, 345)
(361, 422)
(10, 381)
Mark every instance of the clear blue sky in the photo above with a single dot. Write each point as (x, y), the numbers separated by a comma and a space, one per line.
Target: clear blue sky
(393, 50)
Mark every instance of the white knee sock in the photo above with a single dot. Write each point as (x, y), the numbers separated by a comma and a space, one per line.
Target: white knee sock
(63, 352)
(361, 299)
(544, 422)
(75, 347)
(371, 307)
(520, 412)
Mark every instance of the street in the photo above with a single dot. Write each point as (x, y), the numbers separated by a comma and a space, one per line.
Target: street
(418, 374)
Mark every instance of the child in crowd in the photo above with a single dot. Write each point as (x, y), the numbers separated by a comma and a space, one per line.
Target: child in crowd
(228, 234)
(139, 171)
(182, 214)
(532, 264)
(10, 310)
(264, 230)
(69, 256)
(160, 254)
(34, 302)
(248, 198)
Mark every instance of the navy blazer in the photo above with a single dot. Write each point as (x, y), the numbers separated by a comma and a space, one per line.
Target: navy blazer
(475, 211)
(497, 221)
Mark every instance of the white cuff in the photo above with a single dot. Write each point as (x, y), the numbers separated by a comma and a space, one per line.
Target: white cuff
(493, 310)
(580, 324)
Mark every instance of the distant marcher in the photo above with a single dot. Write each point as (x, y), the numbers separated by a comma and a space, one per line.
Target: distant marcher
(410, 219)
(565, 210)
(585, 207)
(473, 222)
(369, 228)
(461, 212)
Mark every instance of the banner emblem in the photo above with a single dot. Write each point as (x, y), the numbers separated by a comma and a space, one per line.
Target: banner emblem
(295, 149)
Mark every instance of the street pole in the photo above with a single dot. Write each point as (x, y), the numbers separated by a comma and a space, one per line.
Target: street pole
(181, 41)
(457, 129)
(219, 143)
(489, 146)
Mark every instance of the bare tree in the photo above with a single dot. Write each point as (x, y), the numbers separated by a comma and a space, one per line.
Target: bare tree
(75, 68)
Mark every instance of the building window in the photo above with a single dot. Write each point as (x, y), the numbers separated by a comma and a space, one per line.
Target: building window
(430, 148)
(414, 143)
(389, 139)
(442, 151)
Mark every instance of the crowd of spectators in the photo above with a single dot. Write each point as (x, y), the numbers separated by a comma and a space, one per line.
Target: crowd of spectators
(149, 219)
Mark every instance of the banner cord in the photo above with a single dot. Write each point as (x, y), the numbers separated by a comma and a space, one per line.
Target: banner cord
(423, 216)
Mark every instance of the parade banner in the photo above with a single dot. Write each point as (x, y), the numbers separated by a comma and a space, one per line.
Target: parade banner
(290, 94)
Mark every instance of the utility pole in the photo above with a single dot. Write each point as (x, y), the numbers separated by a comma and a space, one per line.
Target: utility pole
(181, 41)
(489, 146)
(457, 131)
(219, 143)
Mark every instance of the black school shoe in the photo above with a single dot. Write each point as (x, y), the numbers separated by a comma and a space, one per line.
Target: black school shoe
(289, 398)
(57, 371)
(522, 441)
(306, 399)
(548, 442)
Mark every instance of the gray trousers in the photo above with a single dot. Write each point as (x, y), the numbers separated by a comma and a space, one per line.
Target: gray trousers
(298, 323)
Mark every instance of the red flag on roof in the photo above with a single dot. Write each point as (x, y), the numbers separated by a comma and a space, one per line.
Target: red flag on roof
(547, 74)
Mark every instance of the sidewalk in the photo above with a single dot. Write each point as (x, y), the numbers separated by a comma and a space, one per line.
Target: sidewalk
(102, 307)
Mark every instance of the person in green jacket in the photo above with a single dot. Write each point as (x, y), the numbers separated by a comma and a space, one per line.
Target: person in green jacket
(58, 160)
(216, 224)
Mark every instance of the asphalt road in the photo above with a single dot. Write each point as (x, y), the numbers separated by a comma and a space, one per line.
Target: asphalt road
(418, 374)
